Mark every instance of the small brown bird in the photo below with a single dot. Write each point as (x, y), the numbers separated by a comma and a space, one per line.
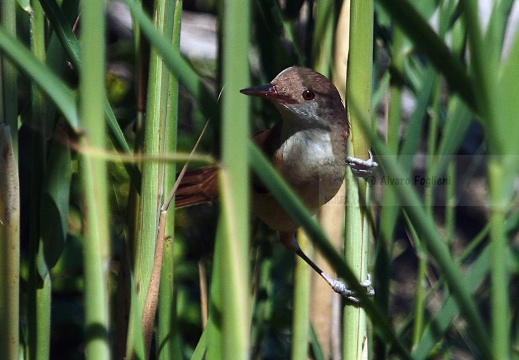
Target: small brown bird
(308, 147)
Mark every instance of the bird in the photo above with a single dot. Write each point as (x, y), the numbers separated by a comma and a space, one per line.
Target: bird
(308, 147)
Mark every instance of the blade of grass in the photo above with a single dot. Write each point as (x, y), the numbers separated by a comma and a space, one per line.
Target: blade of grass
(437, 327)
(63, 29)
(199, 352)
(316, 347)
(213, 344)
(457, 124)
(54, 87)
(495, 33)
(424, 37)
(507, 86)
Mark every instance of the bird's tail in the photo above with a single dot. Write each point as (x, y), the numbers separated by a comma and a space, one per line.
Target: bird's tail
(197, 187)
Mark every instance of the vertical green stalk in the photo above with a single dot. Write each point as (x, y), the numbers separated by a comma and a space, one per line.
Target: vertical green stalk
(359, 81)
(421, 282)
(322, 44)
(94, 181)
(214, 329)
(43, 319)
(395, 92)
(499, 126)
(167, 334)
(233, 277)
(10, 195)
(8, 75)
(389, 214)
(39, 295)
(423, 259)
(499, 268)
(155, 134)
(451, 199)
(233, 248)
(432, 135)
(359, 84)
(355, 322)
(301, 323)
(9, 246)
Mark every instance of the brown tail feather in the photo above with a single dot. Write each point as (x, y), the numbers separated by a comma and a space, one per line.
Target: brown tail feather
(197, 187)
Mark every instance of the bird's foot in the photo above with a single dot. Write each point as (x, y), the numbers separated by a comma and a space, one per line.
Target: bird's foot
(340, 288)
(362, 168)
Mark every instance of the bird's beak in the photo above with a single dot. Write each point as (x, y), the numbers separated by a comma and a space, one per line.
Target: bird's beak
(268, 91)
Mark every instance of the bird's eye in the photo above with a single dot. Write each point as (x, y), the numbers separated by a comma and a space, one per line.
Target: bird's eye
(308, 95)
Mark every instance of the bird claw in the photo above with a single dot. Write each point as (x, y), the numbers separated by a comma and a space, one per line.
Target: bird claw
(360, 167)
(340, 288)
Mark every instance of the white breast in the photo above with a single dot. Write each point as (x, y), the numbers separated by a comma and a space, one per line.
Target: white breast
(308, 153)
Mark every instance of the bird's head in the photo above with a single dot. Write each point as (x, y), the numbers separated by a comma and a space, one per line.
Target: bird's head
(303, 96)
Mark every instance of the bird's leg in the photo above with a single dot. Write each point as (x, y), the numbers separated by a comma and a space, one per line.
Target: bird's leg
(289, 241)
(362, 168)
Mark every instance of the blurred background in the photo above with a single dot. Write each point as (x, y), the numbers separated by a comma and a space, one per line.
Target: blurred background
(448, 120)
